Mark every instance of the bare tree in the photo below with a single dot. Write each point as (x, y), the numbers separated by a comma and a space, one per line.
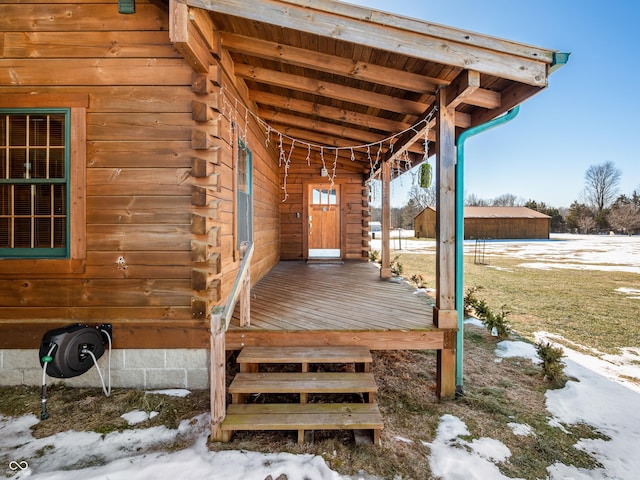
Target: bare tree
(585, 222)
(473, 200)
(601, 187)
(625, 216)
(506, 200)
(422, 197)
(580, 217)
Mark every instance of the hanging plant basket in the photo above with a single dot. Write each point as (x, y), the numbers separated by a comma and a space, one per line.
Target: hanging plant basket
(425, 175)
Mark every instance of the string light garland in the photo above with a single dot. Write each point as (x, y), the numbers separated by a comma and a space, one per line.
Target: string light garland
(284, 157)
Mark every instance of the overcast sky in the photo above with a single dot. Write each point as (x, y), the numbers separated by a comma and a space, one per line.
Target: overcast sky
(587, 115)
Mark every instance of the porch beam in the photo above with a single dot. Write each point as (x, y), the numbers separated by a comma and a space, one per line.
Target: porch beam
(465, 89)
(513, 95)
(462, 87)
(371, 339)
(300, 155)
(393, 33)
(385, 258)
(330, 90)
(323, 62)
(187, 38)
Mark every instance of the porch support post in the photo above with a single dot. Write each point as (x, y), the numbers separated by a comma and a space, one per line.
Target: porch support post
(444, 313)
(385, 260)
(218, 388)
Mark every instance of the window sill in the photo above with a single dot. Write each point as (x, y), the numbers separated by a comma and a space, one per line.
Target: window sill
(41, 266)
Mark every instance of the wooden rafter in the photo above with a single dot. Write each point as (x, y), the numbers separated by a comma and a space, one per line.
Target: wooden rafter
(327, 112)
(328, 89)
(331, 64)
(407, 141)
(343, 161)
(358, 137)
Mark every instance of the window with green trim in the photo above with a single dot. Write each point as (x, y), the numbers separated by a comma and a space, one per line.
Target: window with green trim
(34, 183)
(245, 195)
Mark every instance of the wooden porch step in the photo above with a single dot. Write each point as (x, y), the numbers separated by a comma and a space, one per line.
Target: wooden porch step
(303, 382)
(304, 417)
(338, 354)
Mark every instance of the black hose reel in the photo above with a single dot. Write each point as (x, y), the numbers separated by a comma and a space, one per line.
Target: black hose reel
(71, 351)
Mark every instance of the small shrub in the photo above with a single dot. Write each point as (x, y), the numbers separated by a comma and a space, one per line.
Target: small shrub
(552, 365)
(418, 280)
(374, 255)
(396, 267)
(498, 323)
(495, 323)
(470, 300)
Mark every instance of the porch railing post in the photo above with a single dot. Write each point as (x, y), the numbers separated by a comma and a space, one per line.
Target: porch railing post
(218, 375)
(245, 300)
(385, 260)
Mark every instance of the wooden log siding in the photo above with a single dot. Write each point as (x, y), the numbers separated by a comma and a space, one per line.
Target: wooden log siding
(161, 244)
(138, 266)
(210, 152)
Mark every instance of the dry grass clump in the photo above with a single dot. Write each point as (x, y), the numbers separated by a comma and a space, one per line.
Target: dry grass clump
(87, 409)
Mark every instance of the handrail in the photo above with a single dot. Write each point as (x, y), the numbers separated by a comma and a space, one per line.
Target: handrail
(220, 319)
(226, 311)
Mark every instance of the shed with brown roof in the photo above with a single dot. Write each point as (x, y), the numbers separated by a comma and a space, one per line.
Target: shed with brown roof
(491, 222)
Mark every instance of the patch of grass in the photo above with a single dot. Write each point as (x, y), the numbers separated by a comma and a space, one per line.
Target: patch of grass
(580, 305)
(87, 409)
(490, 400)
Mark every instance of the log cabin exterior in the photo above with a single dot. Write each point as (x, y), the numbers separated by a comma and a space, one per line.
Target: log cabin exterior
(191, 126)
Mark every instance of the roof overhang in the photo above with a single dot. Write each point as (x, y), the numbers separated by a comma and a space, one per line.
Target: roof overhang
(334, 74)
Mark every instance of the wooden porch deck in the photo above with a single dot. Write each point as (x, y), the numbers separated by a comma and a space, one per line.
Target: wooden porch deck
(307, 304)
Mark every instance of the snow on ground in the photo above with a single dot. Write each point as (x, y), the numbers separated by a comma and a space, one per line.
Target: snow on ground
(454, 458)
(633, 293)
(91, 456)
(136, 416)
(612, 409)
(623, 368)
(592, 398)
(509, 349)
(579, 252)
(172, 392)
(521, 429)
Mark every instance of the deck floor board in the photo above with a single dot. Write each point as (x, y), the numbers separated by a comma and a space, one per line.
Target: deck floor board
(296, 296)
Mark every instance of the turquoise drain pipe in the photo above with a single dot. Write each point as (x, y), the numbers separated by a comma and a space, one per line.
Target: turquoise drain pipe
(510, 115)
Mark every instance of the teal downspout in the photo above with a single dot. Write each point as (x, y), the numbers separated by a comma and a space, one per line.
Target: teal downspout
(510, 115)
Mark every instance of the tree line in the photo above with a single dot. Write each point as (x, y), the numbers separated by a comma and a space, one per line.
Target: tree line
(601, 208)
